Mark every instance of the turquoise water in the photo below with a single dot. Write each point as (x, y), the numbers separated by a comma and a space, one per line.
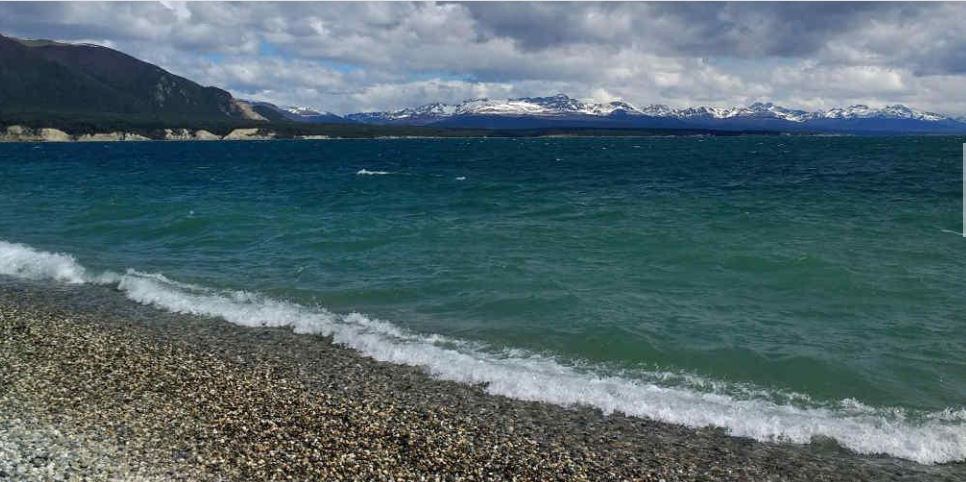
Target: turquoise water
(781, 287)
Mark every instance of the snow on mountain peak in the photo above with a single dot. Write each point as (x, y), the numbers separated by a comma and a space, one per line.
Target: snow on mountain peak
(896, 111)
(771, 110)
(610, 108)
(561, 105)
(554, 105)
(657, 110)
(301, 110)
(902, 112)
(306, 111)
(708, 111)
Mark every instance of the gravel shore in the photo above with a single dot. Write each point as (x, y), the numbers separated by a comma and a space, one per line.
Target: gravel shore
(93, 386)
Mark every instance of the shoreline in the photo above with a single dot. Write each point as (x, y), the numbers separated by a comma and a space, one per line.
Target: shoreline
(243, 403)
(16, 133)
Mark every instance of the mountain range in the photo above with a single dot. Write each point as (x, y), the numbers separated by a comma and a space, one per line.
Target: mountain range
(563, 111)
(43, 80)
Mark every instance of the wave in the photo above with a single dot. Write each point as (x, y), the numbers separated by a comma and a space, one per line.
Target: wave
(936, 437)
(23, 261)
(366, 172)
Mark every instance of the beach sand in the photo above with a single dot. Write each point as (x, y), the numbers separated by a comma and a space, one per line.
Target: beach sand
(95, 386)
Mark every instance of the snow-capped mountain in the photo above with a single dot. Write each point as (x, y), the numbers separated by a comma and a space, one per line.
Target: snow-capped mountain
(296, 114)
(425, 114)
(653, 110)
(897, 111)
(563, 111)
(301, 111)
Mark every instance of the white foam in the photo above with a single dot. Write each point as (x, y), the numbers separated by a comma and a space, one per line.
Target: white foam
(366, 172)
(691, 401)
(25, 262)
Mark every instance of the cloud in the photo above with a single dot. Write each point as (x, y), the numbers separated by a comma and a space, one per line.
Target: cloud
(347, 57)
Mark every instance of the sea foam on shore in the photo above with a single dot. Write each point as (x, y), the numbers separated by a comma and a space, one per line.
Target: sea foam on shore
(926, 438)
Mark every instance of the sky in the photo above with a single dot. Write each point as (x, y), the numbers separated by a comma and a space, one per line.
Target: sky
(353, 57)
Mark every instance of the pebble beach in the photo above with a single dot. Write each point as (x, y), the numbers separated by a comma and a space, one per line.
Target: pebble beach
(95, 387)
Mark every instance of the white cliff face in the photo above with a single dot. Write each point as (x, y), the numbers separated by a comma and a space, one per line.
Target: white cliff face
(247, 134)
(178, 135)
(27, 134)
(561, 105)
(203, 135)
(17, 133)
(53, 135)
(111, 137)
(188, 135)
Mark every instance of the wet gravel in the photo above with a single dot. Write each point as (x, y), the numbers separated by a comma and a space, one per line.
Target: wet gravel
(93, 386)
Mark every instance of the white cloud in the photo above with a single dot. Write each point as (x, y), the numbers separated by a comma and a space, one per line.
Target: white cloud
(347, 57)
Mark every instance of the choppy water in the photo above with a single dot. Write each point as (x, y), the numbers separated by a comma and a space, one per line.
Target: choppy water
(782, 288)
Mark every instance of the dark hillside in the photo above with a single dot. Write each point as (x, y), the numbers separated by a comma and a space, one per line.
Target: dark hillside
(44, 77)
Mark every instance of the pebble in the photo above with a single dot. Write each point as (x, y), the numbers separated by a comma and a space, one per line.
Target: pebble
(90, 395)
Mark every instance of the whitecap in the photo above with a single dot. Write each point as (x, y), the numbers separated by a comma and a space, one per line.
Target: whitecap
(366, 172)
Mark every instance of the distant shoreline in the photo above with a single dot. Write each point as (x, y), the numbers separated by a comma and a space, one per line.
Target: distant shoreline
(22, 134)
(25, 133)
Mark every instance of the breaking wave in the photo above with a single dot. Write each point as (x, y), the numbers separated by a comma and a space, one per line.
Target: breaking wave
(935, 437)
